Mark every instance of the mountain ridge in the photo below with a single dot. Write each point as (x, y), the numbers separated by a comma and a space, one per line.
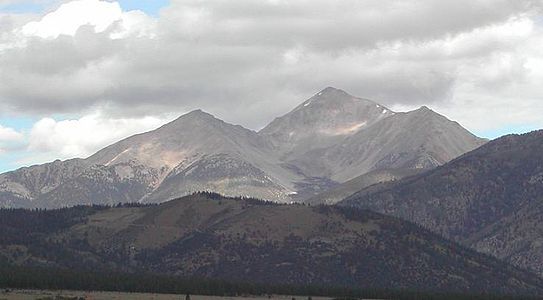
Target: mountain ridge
(318, 145)
(488, 199)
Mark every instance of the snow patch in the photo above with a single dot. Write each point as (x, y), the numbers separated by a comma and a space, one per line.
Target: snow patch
(307, 103)
(319, 94)
(385, 111)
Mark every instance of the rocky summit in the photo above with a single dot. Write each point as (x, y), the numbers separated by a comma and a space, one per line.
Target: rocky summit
(327, 140)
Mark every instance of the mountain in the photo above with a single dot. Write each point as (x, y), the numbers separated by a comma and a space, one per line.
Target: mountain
(322, 121)
(327, 140)
(196, 152)
(346, 189)
(420, 139)
(19, 188)
(490, 199)
(245, 240)
(339, 137)
(199, 152)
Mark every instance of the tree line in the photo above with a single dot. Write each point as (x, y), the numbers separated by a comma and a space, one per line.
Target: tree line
(21, 277)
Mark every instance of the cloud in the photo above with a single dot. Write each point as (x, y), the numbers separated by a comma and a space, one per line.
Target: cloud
(99, 15)
(70, 16)
(460, 57)
(9, 139)
(82, 137)
(9, 135)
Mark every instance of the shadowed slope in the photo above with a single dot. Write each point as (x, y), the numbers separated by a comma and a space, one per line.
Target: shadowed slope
(251, 241)
(490, 199)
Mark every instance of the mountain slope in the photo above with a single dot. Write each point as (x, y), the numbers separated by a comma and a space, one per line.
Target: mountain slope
(23, 187)
(196, 142)
(420, 139)
(490, 199)
(339, 137)
(134, 169)
(107, 185)
(356, 184)
(190, 135)
(250, 241)
(329, 139)
(321, 121)
(229, 174)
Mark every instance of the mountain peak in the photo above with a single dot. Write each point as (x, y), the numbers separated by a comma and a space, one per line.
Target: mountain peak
(330, 137)
(424, 108)
(332, 90)
(332, 98)
(197, 113)
(424, 111)
(329, 115)
(194, 117)
(331, 94)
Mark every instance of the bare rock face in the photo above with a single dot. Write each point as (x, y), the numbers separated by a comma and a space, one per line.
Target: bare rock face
(420, 139)
(231, 175)
(322, 121)
(22, 187)
(192, 135)
(490, 199)
(107, 185)
(198, 152)
(327, 140)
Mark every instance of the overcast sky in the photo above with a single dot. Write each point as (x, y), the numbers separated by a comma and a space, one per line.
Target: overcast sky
(78, 75)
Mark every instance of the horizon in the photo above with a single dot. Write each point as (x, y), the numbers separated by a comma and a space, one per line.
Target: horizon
(273, 149)
(256, 130)
(110, 74)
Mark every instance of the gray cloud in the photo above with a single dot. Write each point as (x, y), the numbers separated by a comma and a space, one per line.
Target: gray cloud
(249, 61)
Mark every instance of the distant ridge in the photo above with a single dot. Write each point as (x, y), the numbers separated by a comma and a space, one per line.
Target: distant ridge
(326, 140)
(340, 137)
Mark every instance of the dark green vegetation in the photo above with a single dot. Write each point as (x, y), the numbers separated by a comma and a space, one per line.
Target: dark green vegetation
(63, 279)
(490, 199)
(245, 240)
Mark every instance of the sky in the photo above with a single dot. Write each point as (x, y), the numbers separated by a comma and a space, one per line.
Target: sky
(78, 75)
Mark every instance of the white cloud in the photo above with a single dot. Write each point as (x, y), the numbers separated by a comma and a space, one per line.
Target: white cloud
(9, 138)
(100, 15)
(10, 135)
(84, 136)
(464, 58)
